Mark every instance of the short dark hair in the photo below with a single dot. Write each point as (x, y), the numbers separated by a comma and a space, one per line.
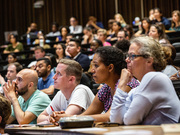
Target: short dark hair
(53, 59)
(5, 111)
(77, 41)
(70, 34)
(99, 42)
(123, 45)
(46, 60)
(111, 55)
(125, 32)
(39, 48)
(56, 24)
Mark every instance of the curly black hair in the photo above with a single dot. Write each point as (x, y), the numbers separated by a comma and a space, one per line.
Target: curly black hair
(111, 55)
(123, 45)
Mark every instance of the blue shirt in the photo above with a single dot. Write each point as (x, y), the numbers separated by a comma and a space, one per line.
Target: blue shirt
(45, 84)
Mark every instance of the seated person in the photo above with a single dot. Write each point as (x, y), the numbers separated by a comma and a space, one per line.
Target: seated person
(74, 48)
(159, 18)
(119, 18)
(95, 44)
(64, 30)
(30, 103)
(32, 31)
(12, 70)
(170, 54)
(122, 34)
(15, 46)
(45, 81)
(5, 109)
(74, 27)
(39, 52)
(175, 23)
(107, 64)
(102, 35)
(54, 30)
(88, 36)
(60, 51)
(42, 42)
(154, 101)
(52, 59)
(11, 59)
(116, 27)
(93, 24)
(73, 98)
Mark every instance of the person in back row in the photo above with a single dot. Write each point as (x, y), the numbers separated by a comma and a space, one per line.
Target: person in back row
(39, 52)
(12, 70)
(73, 98)
(30, 103)
(74, 48)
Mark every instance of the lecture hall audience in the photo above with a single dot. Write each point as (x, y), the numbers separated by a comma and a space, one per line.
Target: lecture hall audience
(133, 76)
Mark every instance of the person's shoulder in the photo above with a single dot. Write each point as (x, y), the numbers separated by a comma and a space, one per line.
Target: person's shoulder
(40, 94)
(83, 56)
(81, 86)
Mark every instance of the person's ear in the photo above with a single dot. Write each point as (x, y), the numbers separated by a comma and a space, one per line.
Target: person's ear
(0, 119)
(72, 78)
(31, 84)
(78, 48)
(49, 67)
(111, 67)
(150, 61)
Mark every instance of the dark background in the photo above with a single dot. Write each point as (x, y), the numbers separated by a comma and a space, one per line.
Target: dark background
(18, 14)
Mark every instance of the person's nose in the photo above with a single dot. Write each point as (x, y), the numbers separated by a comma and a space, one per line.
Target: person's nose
(54, 77)
(128, 60)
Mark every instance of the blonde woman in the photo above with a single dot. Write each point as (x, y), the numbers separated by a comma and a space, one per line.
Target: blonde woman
(118, 17)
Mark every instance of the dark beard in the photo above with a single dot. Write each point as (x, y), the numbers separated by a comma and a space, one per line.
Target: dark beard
(22, 91)
(43, 74)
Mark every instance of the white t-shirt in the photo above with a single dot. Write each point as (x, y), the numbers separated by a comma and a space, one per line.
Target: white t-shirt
(81, 96)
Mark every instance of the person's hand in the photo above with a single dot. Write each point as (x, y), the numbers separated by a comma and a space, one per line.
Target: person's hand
(67, 53)
(85, 37)
(9, 90)
(29, 30)
(54, 118)
(126, 77)
(2, 81)
(176, 76)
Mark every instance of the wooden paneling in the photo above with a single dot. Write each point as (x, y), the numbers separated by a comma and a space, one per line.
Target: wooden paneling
(18, 14)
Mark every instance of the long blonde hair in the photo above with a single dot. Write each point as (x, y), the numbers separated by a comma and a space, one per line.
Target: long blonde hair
(122, 21)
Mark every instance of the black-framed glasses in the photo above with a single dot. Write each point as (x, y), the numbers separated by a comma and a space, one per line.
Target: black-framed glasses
(133, 56)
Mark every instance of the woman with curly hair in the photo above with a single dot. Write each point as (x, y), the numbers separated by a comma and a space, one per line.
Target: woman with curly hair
(154, 101)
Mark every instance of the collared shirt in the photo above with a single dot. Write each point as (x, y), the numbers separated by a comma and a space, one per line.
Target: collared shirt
(48, 82)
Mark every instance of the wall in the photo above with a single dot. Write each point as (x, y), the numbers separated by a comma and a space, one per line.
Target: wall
(18, 14)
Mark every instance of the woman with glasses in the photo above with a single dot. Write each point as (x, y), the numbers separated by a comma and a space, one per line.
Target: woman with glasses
(154, 101)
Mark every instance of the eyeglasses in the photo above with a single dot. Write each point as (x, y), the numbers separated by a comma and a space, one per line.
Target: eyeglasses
(133, 56)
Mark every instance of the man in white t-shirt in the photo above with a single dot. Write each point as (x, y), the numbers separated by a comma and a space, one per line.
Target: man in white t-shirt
(73, 99)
